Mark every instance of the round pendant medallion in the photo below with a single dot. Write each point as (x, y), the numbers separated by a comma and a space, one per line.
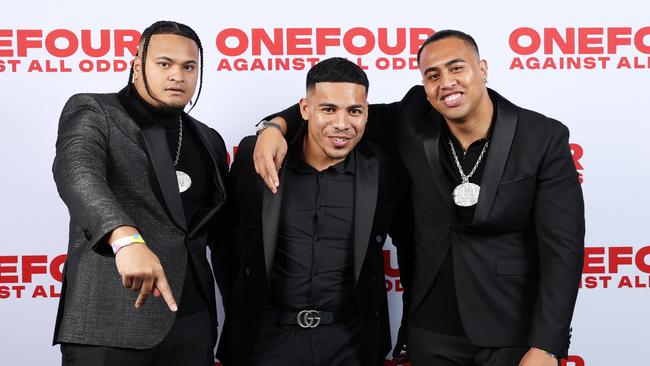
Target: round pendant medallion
(466, 194)
(184, 181)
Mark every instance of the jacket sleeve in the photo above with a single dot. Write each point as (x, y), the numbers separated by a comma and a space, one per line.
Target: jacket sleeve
(80, 171)
(227, 258)
(560, 229)
(221, 231)
(402, 233)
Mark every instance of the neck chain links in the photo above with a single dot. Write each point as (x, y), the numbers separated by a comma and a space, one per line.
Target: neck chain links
(465, 178)
(180, 140)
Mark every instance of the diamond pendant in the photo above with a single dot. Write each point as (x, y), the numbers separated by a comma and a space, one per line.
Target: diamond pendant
(184, 181)
(466, 194)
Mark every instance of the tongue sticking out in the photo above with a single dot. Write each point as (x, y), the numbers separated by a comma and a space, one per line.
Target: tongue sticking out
(452, 100)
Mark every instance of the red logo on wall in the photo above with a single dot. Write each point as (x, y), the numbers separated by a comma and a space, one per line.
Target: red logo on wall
(65, 50)
(616, 267)
(282, 49)
(31, 276)
(573, 360)
(391, 272)
(582, 48)
(577, 152)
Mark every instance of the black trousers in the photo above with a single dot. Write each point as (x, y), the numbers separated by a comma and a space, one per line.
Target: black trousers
(188, 343)
(290, 345)
(427, 348)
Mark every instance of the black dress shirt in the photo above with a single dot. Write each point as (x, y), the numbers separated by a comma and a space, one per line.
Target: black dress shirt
(439, 311)
(314, 258)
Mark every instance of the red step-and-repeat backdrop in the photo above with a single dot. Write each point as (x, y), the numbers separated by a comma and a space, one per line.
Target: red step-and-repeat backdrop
(586, 64)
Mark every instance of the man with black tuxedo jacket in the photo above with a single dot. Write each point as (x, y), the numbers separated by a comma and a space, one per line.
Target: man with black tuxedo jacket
(309, 286)
(144, 183)
(498, 209)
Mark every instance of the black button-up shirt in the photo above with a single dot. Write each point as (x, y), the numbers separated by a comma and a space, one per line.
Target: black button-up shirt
(314, 257)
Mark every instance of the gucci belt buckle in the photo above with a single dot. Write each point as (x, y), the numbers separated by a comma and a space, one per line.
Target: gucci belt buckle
(308, 318)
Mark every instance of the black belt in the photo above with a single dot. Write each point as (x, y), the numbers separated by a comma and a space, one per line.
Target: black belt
(308, 318)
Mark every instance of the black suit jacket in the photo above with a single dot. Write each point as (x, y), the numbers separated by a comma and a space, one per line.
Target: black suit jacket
(517, 266)
(256, 214)
(111, 171)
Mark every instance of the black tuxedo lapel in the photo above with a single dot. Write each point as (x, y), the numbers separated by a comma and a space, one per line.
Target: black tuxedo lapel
(505, 125)
(209, 145)
(365, 201)
(430, 132)
(156, 143)
(203, 217)
(271, 206)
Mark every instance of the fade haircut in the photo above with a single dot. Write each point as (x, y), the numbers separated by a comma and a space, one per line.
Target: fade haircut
(449, 33)
(336, 70)
(168, 27)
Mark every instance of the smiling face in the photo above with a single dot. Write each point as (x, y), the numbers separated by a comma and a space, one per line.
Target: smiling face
(454, 79)
(171, 69)
(336, 114)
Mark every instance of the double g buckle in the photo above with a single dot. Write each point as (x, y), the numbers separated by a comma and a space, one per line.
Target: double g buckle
(308, 318)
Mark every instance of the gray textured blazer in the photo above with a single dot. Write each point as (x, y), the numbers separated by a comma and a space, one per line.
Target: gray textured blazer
(111, 172)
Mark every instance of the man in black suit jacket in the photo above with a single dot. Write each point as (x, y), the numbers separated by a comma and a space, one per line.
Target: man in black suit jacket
(143, 182)
(498, 209)
(310, 287)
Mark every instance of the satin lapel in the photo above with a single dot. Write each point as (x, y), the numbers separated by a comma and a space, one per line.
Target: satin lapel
(498, 151)
(213, 155)
(156, 142)
(271, 206)
(219, 183)
(365, 201)
(430, 130)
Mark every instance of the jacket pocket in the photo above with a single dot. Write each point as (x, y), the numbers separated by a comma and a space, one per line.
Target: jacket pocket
(517, 179)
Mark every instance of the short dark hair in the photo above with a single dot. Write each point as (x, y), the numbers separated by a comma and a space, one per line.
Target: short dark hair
(448, 33)
(168, 27)
(336, 70)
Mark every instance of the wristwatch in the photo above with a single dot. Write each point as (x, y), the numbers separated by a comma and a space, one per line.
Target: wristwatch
(264, 124)
(545, 351)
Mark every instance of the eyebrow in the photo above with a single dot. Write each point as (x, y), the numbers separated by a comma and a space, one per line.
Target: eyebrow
(332, 105)
(447, 64)
(357, 106)
(165, 58)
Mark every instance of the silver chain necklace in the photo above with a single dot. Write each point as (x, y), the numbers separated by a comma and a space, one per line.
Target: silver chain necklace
(183, 179)
(180, 140)
(466, 194)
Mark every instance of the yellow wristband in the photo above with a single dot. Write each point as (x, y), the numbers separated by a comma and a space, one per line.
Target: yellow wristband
(124, 241)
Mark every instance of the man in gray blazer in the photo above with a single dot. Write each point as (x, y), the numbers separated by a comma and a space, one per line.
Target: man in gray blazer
(143, 182)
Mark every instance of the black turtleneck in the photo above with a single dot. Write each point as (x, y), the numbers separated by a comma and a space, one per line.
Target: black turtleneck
(194, 160)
